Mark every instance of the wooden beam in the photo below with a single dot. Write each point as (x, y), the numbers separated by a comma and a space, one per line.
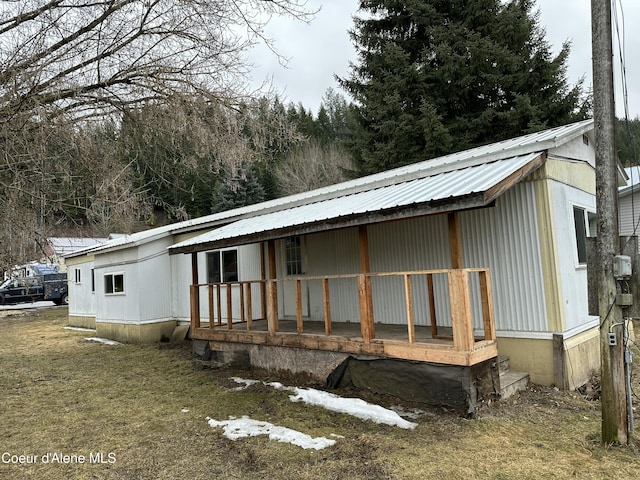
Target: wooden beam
(219, 304)
(212, 314)
(229, 307)
(455, 241)
(327, 306)
(299, 326)
(432, 306)
(195, 307)
(486, 296)
(366, 308)
(363, 243)
(409, 305)
(272, 289)
(249, 306)
(461, 317)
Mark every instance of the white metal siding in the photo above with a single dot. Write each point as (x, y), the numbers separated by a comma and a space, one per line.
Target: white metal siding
(505, 239)
(331, 253)
(573, 276)
(629, 212)
(83, 303)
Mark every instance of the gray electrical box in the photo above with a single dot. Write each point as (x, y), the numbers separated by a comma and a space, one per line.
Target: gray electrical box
(621, 267)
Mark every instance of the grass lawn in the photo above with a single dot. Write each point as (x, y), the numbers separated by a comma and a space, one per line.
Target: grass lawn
(62, 395)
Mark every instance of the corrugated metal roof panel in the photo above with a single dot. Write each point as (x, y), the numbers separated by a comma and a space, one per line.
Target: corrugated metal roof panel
(439, 187)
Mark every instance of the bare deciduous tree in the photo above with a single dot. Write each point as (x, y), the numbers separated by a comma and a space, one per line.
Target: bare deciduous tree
(66, 62)
(95, 56)
(312, 166)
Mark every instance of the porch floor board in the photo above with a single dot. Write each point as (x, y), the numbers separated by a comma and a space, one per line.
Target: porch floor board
(350, 330)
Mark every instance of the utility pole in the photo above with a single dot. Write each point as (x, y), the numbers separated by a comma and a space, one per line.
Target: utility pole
(614, 408)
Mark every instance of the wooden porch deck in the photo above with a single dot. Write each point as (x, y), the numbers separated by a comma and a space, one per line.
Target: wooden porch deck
(456, 345)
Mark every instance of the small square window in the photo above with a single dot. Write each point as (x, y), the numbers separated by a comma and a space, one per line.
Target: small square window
(585, 226)
(114, 283)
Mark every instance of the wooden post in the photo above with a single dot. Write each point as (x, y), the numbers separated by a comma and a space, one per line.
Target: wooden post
(195, 293)
(432, 306)
(487, 305)
(409, 305)
(272, 289)
(212, 315)
(195, 308)
(366, 309)
(366, 320)
(219, 304)
(461, 317)
(455, 242)
(299, 326)
(249, 306)
(229, 308)
(612, 381)
(327, 306)
(242, 311)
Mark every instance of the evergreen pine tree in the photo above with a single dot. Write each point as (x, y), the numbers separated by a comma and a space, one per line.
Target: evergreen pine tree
(437, 76)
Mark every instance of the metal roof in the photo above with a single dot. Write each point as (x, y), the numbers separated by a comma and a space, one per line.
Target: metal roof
(467, 187)
(531, 143)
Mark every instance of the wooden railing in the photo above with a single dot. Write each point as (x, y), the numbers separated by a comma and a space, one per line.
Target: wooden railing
(457, 333)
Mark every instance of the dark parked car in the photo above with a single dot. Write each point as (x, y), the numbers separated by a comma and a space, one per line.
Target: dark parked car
(34, 289)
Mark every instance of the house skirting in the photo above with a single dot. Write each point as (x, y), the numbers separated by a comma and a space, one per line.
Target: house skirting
(457, 386)
(84, 321)
(565, 362)
(136, 332)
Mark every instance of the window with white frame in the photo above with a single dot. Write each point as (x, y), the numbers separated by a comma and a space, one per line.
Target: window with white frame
(77, 275)
(93, 281)
(585, 226)
(293, 255)
(113, 283)
(222, 266)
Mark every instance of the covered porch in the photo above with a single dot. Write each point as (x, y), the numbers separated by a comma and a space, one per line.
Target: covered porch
(447, 316)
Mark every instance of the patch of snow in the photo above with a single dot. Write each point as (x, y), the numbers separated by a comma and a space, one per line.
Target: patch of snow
(80, 329)
(246, 383)
(248, 427)
(351, 406)
(106, 341)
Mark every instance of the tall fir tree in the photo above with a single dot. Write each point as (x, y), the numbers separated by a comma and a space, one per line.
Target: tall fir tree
(437, 76)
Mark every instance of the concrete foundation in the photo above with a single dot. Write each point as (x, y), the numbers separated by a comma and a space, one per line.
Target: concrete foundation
(136, 333)
(82, 321)
(460, 387)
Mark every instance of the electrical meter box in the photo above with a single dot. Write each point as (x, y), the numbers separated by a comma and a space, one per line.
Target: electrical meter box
(621, 267)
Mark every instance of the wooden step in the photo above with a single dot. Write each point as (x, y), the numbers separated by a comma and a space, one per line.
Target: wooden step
(512, 382)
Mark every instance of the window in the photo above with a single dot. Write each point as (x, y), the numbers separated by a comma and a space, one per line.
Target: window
(222, 266)
(114, 283)
(293, 256)
(77, 275)
(93, 281)
(585, 226)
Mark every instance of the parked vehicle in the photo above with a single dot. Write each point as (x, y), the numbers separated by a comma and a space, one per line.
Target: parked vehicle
(51, 287)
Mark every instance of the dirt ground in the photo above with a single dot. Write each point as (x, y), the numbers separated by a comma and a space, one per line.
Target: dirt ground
(140, 412)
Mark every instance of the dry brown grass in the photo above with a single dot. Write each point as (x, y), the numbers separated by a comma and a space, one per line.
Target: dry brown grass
(59, 393)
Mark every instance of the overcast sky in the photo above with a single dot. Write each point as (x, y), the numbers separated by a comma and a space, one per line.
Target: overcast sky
(322, 49)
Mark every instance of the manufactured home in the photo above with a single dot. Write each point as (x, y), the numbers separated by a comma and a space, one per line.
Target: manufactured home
(450, 261)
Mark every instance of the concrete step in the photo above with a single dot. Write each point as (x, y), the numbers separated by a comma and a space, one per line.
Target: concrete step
(512, 382)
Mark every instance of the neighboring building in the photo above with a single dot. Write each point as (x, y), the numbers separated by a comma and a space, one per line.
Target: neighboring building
(409, 250)
(629, 204)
